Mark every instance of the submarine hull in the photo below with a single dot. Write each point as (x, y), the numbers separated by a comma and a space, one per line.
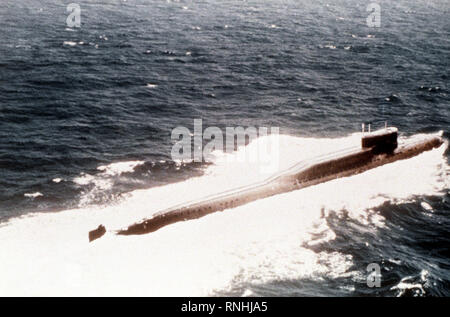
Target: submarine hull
(351, 162)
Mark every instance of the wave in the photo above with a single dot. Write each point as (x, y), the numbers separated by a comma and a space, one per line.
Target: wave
(255, 244)
(70, 43)
(33, 195)
(100, 187)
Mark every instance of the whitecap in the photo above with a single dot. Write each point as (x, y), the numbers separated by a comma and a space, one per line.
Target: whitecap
(33, 195)
(70, 43)
(408, 283)
(426, 206)
(83, 179)
(119, 167)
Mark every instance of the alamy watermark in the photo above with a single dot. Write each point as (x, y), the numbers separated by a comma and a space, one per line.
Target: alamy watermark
(74, 18)
(374, 275)
(189, 146)
(374, 18)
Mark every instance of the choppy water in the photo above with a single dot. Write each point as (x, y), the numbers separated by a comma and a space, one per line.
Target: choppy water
(85, 121)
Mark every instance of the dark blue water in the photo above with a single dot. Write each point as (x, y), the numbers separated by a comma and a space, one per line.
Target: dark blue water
(74, 99)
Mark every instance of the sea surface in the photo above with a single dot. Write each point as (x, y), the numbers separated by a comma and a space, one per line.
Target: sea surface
(86, 116)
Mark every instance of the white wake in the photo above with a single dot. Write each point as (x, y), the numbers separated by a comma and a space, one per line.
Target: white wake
(49, 253)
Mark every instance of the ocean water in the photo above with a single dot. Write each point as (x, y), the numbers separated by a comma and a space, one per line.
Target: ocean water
(86, 116)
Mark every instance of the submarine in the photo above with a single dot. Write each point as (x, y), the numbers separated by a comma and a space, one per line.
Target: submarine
(377, 148)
